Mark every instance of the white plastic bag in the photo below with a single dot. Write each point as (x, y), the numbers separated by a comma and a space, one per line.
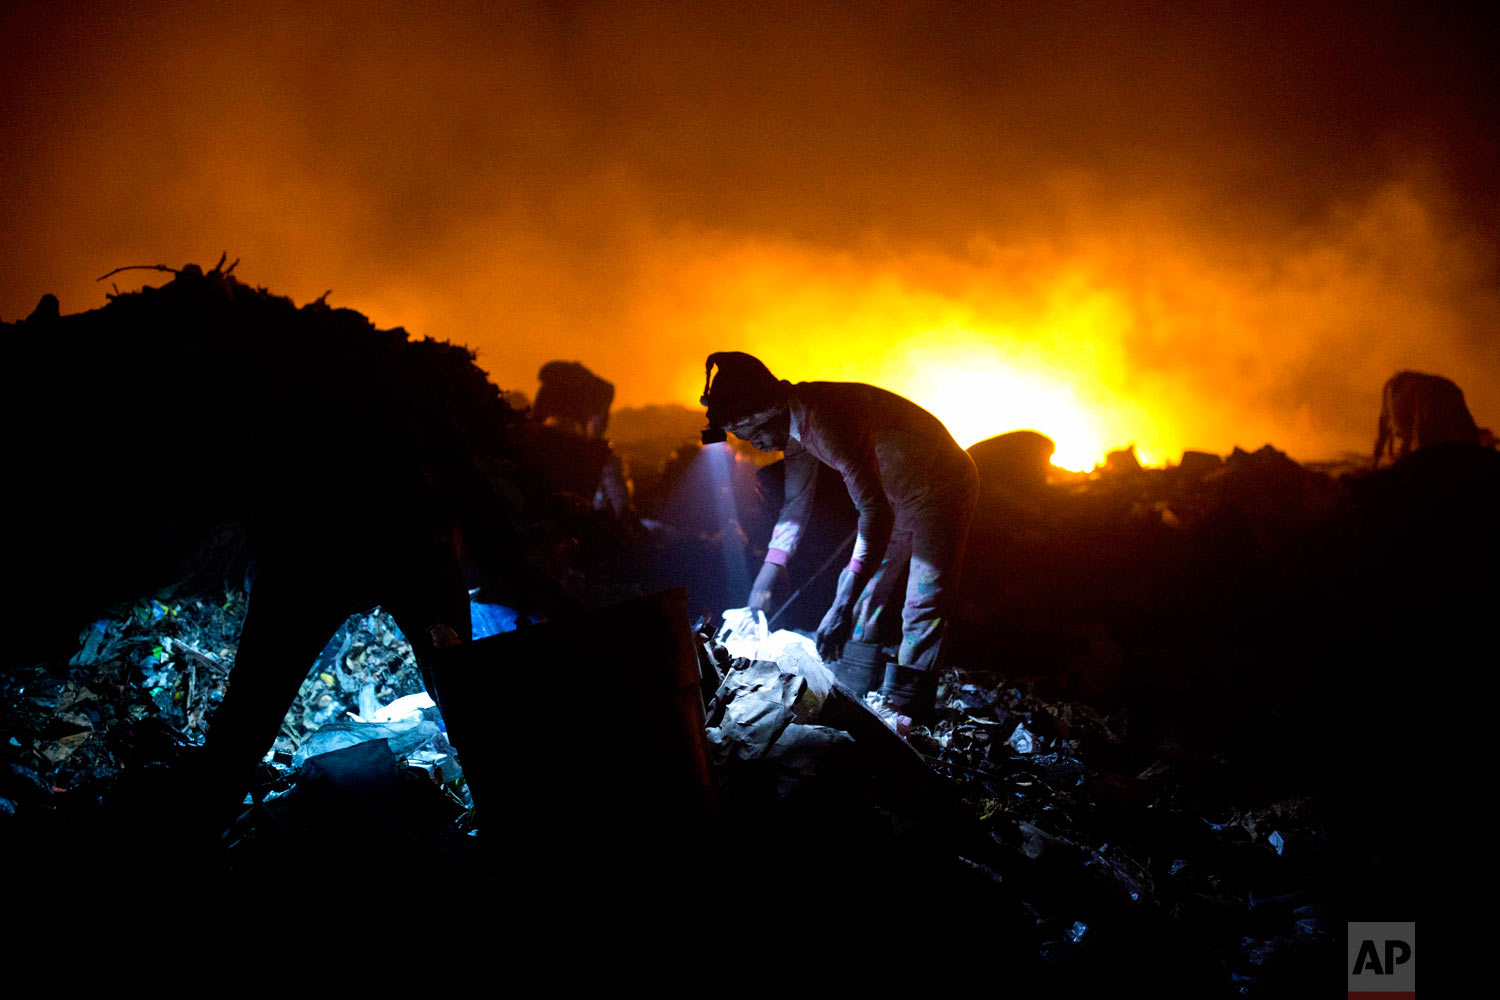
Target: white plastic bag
(743, 632)
(746, 635)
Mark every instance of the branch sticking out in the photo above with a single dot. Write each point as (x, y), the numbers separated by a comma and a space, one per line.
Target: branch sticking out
(218, 268)
(139, 267)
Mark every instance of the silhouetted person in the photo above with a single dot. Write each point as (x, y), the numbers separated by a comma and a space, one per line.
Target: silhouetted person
(575, 399)
(914, 489)
(1419, 410)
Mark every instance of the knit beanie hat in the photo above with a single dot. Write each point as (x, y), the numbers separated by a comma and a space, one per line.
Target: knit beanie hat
(743, 386)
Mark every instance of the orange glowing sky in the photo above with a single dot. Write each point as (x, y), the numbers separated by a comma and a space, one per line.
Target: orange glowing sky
(1114, 223)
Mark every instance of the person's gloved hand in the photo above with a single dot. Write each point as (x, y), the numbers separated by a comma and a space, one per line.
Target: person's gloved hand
(834, 631)
(761, 590)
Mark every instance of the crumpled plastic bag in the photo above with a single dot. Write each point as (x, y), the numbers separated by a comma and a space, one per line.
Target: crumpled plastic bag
(402, 709)
(786, 683)
(404, 735)
(742, 633)
(746, 635)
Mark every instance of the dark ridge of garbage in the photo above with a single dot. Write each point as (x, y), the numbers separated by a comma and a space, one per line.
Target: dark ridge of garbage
(182, 414)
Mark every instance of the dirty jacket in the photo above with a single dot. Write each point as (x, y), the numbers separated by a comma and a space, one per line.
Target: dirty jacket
(898, 461)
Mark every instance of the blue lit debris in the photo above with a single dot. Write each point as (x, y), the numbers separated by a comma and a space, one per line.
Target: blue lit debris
(1023, 741)
(491, 619)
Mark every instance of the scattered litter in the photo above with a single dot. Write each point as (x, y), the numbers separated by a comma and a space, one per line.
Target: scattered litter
(403, 735)
(1023, 741)
(440, 767)
(403, 708)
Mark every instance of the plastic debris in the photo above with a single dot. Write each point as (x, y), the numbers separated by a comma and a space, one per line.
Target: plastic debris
(440, 767)
(1023, 741)
(746, 636)
(404, 708)
(491, 619)
(758, 701)
(403, 735)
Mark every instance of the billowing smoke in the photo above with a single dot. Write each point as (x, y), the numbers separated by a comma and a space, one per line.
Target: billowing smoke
(1111, 223)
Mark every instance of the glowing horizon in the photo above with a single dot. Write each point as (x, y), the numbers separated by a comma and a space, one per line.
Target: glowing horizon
(1005, 212)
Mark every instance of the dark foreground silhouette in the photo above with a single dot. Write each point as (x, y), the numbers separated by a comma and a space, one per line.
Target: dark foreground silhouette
(356, 466)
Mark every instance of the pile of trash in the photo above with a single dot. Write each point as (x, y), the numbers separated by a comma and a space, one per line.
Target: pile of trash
(1131, 848)
(777, 683)
(146, 679)
(272, 405)
(1084, 833)
(1027, 825)
(148, 669)
(363, 669)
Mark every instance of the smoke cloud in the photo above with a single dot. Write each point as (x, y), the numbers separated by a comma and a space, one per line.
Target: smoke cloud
(1181, 229)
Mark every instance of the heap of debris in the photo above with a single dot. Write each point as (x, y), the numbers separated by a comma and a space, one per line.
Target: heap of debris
(185, 437)
(1195, 718)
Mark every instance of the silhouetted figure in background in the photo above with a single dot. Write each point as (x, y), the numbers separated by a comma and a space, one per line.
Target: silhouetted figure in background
(1015, 462)
(1418, 411)
(576, 400)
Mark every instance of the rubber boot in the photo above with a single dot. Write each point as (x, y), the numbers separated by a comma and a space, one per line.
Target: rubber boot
(861, 667)
(910, 691)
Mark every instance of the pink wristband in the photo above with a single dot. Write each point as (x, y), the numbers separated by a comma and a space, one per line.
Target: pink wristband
(856, 566)
(776, 557)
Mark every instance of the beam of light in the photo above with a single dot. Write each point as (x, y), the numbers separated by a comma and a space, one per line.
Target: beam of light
(719, 460)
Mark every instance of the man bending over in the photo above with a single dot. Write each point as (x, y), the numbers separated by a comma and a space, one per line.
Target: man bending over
(914, 489)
